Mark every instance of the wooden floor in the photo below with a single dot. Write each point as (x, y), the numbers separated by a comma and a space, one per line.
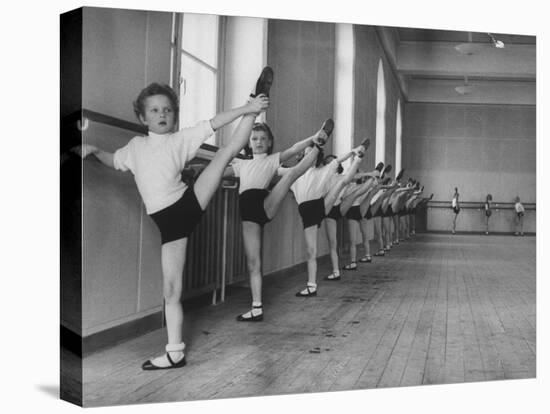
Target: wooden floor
(438, 309)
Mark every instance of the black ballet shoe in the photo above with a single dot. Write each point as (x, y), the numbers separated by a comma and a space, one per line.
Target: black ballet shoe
(253, 318)
(400, 175)
(350, 267)
(365, 259)
(309, 293)
(149, 366)
(263, 85)
(328, 127)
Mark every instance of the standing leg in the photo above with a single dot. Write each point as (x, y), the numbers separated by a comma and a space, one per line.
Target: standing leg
(172, 261)
(353, 229)
(367, 258)
(454, 223)
(521, 225)
(378, 231)
(252, 238)
(311, 244)
(331, 230)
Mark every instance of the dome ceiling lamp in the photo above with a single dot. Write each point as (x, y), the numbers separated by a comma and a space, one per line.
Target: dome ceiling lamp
(471, 48)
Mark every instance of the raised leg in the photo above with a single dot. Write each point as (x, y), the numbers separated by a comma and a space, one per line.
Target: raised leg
(273, 201)
(209, 180)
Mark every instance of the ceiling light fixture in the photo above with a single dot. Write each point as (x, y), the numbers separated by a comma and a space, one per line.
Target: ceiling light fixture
(468, 48)
(496, 43)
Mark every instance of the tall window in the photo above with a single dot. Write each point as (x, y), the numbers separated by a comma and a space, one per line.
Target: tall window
(398, 138)
(344, 88)
(380, 153)
(198, 65)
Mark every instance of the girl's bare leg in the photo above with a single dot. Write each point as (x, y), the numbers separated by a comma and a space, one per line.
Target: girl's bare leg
(331, 230)
(208, 182)
(353, 228)
(273, 201)
(172, 261)
(252, 238)
(364, 233)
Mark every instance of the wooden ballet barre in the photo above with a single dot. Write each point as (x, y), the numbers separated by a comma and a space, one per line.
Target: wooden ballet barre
(479, 205)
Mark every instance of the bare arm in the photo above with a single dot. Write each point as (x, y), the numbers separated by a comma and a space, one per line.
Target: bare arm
(296, 148)
(254, 106)
(105, 157)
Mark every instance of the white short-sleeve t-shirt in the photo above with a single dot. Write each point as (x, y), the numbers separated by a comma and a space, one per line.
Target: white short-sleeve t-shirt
(313, 183)
(157, 161)
(257, 172)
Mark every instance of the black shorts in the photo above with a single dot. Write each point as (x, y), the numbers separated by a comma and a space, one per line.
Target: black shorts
(354, 213)
(520, 214)
(456, 209)
(251, 206)
(488, 213)
(178, 220)
(312, 212)
(368, 214)
(334, 213)
(388, 213)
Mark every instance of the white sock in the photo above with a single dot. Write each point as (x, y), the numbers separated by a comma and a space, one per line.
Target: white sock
(256, 308)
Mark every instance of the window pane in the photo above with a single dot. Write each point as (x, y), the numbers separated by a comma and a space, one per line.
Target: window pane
(198, 93)
(200, 37)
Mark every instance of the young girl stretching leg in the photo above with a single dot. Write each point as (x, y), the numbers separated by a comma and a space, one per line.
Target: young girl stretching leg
(257, 205)
(156, 161)
(338, 184)
(315, 200)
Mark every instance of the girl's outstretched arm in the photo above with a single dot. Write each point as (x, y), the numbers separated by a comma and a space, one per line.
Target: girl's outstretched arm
(296, 148)
(85, 150)
(254, 106)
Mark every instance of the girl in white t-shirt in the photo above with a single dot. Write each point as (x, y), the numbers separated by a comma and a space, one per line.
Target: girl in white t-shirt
(455, 205)
(156, 160)
(520, 212)
(315, 198)
(487, 209)
(257, 204)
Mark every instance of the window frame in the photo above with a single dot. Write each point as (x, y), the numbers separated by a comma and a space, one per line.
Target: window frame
(177, 52)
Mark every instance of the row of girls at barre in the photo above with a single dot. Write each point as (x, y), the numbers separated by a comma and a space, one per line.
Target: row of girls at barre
(322, 188)
(487, 209)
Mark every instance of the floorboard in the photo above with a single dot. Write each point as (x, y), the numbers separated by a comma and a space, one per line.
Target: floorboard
(437, 309)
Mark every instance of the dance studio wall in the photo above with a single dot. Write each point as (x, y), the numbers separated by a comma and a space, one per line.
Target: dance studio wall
(368, 53)
(480, 149)
(122, 52)
(302, 57)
